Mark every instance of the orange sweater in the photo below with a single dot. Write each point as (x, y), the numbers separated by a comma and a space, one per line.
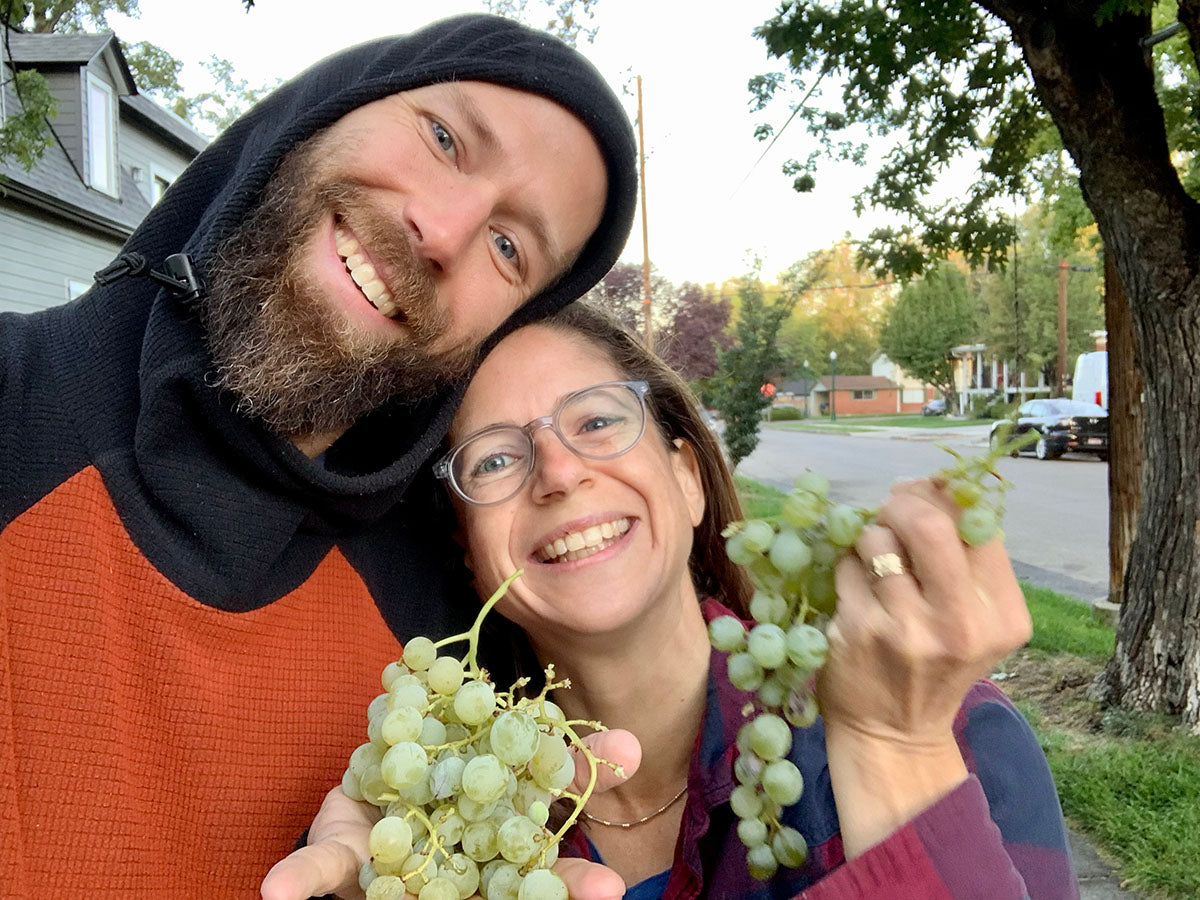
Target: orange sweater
(192, 779)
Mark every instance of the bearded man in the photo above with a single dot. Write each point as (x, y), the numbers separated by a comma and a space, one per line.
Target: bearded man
(205, 553)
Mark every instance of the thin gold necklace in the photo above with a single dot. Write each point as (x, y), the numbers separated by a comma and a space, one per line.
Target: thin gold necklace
(642, 821)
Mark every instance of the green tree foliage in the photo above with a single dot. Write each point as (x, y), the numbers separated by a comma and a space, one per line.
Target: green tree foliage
(837, 306)
(565, 19)
(25, 132)
(931, 315)
(1021, 319)
(743, 369)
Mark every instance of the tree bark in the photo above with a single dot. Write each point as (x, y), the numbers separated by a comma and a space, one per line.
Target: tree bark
(1094, 81)
(1124, 428)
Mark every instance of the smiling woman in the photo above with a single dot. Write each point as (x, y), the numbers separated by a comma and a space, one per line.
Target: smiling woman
(580, 458)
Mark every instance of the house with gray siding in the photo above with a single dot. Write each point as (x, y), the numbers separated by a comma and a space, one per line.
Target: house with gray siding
(113, 153)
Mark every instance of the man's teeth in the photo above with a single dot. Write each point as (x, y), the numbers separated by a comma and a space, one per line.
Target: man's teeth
(363, 273)
(578, 544)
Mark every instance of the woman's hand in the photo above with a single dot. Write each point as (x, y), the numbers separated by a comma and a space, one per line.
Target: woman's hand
(904, 649)
(337, 839)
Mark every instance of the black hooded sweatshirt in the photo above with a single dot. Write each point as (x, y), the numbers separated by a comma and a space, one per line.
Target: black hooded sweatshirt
(194, 615)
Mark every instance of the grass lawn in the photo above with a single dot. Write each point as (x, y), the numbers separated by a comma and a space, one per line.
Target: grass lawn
(808, 425)
(1130, 781)
(905, 420)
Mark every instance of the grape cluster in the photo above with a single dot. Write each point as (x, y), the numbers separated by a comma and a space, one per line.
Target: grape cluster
(465, 776)
(791, 560)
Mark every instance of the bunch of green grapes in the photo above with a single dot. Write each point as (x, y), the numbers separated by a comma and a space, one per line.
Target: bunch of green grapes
(791, 560)
(465, 776)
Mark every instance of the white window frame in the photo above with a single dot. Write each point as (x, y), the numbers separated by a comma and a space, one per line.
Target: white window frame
(863, 394)
(156, 175)
(95, 179)
(76, 288)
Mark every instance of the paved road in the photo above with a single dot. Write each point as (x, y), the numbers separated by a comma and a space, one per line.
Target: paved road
(1056, 525)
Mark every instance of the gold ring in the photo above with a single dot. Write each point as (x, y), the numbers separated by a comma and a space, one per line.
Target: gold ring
(886, 564)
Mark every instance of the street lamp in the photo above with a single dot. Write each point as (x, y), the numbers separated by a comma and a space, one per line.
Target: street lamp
(832, 385)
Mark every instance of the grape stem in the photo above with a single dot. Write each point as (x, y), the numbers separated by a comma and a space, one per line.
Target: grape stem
(472, 636)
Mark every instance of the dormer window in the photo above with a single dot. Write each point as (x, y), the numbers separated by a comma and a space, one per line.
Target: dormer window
(102, 136)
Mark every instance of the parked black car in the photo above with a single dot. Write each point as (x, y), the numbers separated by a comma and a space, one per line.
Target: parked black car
(1063, 426)
(934, 408)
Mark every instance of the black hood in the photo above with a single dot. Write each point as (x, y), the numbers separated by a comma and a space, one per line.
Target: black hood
(196, 460)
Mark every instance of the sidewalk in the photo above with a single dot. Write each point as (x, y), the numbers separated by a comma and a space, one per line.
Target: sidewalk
(1096, 878)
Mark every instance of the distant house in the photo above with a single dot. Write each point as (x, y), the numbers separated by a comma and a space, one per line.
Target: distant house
(981, 374)
(850, 395)
(914, 393)
(112, 154)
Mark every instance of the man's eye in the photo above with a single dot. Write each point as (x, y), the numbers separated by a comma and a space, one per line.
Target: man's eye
(443, 137)
(506, 247)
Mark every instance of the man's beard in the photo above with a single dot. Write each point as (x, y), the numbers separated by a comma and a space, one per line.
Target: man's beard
(281, 348)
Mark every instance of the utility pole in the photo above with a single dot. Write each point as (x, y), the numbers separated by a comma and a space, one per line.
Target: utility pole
(648, 334)
(1062, 328)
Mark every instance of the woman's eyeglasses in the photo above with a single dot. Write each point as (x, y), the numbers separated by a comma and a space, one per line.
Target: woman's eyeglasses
(598, 422)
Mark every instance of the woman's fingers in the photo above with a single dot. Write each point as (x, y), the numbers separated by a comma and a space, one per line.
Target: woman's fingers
(589, 881)
(616, 746)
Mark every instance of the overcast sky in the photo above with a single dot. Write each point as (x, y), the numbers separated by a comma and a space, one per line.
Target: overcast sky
(710, 207)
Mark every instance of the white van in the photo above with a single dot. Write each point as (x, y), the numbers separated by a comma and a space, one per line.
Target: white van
(1091, 378)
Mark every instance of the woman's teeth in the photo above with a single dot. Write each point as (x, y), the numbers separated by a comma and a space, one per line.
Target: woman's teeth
(363, 273)
(578, 544)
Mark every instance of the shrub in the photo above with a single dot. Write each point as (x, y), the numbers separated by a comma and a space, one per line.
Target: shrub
(784, 413)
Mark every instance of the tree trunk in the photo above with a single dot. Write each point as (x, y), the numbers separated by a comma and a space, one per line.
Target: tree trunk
(1094, 81)
(1124, 428)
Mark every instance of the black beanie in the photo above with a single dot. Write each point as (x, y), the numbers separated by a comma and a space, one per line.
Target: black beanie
(225, 181)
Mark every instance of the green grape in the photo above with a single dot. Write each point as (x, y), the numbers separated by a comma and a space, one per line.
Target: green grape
(472, 811)
(807, 647)
(439, 888)
(463, 873)
(821, 589)
(802, 509)
(411, 695)
(404, 764)
(446, 675)
(445, 777)
(800, 709)
(752, 832)
(761, 862)
(966, 492)
(764, 607)
(782, 782)
(978, 525)
(386, 887)
(372, 784)
(350, 786)
(378, 707)
(484, 778)
(789, 554)
(772, 692)
(402, 724)
(390, 673)
(812, 483)
(542, 884)
(538, 812)
(448, 825)
(475, 702)
(391, 840)
(748, 768)
(770, 738)
(757, 535)
(739, 551)
(727, 633)
(825, 554)
(433, 732)
(746, 802)
(789, 847)
(745, 673)
(514, 737)
(367, 874)
(843, 525)
(419, 654)
(548, 761)
(500, 880)
(365, 756)
(767, 644)
(479, 841)
(518, 839)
